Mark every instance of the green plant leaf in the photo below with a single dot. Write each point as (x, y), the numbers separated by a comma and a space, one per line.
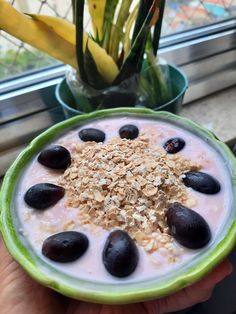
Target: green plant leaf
(144, 9)
(133, 62)
(97, 11)
(117, 29)
(79, 19)
(128, 26)
(108, 22)
(160, 92)
(84, 104)
(73, 9)
(121, 58)
(157, 28)
(95, 80)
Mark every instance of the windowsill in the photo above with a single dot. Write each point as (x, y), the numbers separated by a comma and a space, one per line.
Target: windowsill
(216, 112)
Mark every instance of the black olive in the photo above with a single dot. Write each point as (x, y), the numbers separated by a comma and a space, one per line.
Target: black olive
(120, 254)
(65, 247)
(43, 195)
(92, 135)
(55, 157)
(188, 227)
(201, 182)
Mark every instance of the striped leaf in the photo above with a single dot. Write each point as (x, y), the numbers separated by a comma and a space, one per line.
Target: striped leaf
(97, 13)
(117, 29)
(108, 22)
(133, 62)
(95, 80)
(73, 9)
(79, 18)
(128, 27)
(144, 8)
(157, 29)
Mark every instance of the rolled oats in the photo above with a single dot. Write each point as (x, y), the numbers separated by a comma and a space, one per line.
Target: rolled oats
(128, 185)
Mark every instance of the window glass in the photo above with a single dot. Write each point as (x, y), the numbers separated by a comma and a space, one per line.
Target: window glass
(17, 58)
(182, 15)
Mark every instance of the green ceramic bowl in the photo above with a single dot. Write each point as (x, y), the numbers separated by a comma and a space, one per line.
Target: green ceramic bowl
(124, 292)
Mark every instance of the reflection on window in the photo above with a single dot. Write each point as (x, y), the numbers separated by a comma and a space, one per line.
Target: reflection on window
(184, 14)
(17, 57)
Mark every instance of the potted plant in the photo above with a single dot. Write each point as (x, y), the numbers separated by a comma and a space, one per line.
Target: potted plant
(112, 57)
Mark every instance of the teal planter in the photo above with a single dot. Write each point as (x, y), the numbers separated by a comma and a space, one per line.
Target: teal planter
(178, 84)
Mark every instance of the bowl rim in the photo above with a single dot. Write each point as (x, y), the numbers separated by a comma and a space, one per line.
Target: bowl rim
(110, 296)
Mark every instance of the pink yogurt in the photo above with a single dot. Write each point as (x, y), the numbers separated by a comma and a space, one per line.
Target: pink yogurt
(37, 226)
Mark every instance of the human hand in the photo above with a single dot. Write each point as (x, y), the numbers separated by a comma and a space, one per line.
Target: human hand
(19, 294)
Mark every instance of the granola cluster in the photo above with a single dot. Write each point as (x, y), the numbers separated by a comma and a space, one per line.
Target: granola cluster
(128, 185)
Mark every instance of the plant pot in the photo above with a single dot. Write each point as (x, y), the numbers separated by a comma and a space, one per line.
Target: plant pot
(178, 84)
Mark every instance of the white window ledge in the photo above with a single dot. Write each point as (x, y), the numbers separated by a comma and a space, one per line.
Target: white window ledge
(217, 113)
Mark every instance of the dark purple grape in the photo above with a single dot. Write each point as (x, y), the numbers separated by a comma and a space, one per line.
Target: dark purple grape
(174, 145)
(120, 254)
(201, 182)
(43, 195)
(129, 131)
(55, 157)
(92, 135)
(188, 227)
(65, 247)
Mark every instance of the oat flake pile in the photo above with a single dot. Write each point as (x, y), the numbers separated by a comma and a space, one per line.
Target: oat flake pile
(128, 185)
